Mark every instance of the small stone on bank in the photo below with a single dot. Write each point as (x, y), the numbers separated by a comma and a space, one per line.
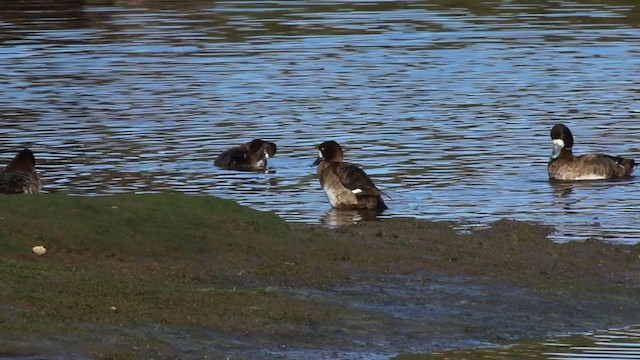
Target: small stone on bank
(39, 250)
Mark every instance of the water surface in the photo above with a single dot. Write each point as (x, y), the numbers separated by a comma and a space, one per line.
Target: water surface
(447, 105)
(612, 344)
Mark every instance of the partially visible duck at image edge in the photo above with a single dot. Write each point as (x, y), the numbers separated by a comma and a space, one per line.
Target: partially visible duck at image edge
(19, 176)
(249, 156)
(563, 165)
(347, 186)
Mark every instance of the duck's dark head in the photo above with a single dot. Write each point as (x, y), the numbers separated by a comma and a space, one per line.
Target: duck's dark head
(270, 149)
(561, 138)
(259, 146)
(255, 146)
(329, 151)
(24, 161)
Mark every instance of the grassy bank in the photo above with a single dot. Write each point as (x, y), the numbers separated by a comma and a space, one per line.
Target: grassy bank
(177, 276)
(119, 262)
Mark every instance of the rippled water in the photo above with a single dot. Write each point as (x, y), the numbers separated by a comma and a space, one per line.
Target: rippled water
(614, 344)
(611, 344)
(448, 107)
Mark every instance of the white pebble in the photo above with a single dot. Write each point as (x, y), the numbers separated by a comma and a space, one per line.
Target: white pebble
(39, 250)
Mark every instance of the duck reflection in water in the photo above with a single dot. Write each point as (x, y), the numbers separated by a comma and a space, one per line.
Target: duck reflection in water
(568, 194)
(562, 189)
(339, 217)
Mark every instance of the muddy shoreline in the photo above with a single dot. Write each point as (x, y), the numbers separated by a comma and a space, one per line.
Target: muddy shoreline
(176, 276)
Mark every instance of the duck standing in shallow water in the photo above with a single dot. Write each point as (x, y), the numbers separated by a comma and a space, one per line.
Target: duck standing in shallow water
(19, 176)
(347, 186)
(563, 165)
(250, 156)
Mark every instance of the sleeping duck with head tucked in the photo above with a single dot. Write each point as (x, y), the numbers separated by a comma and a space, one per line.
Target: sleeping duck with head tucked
(346, 185)
(249, 156)
(19, 176)
(563, 165)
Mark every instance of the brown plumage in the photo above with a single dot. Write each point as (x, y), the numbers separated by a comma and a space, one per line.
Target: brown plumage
(346, 185)
(563, 165)
(250, 156)
(19, 176)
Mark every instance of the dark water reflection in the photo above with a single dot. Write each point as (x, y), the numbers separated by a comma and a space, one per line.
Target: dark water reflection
(446, 104)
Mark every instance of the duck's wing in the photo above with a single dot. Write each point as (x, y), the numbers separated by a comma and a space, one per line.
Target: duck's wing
(604, 166)
(355, 179)
(630, 163)
(624, 166)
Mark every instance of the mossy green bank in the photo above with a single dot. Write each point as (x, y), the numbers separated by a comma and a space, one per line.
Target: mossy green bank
(179, 276)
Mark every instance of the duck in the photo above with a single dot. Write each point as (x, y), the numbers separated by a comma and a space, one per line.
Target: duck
(563, 165)
(20, 176)
(346, 185)
(249, 156)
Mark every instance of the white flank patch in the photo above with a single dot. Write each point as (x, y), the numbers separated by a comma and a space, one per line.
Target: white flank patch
(356, 191)
(558, 142)
(590, 177)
